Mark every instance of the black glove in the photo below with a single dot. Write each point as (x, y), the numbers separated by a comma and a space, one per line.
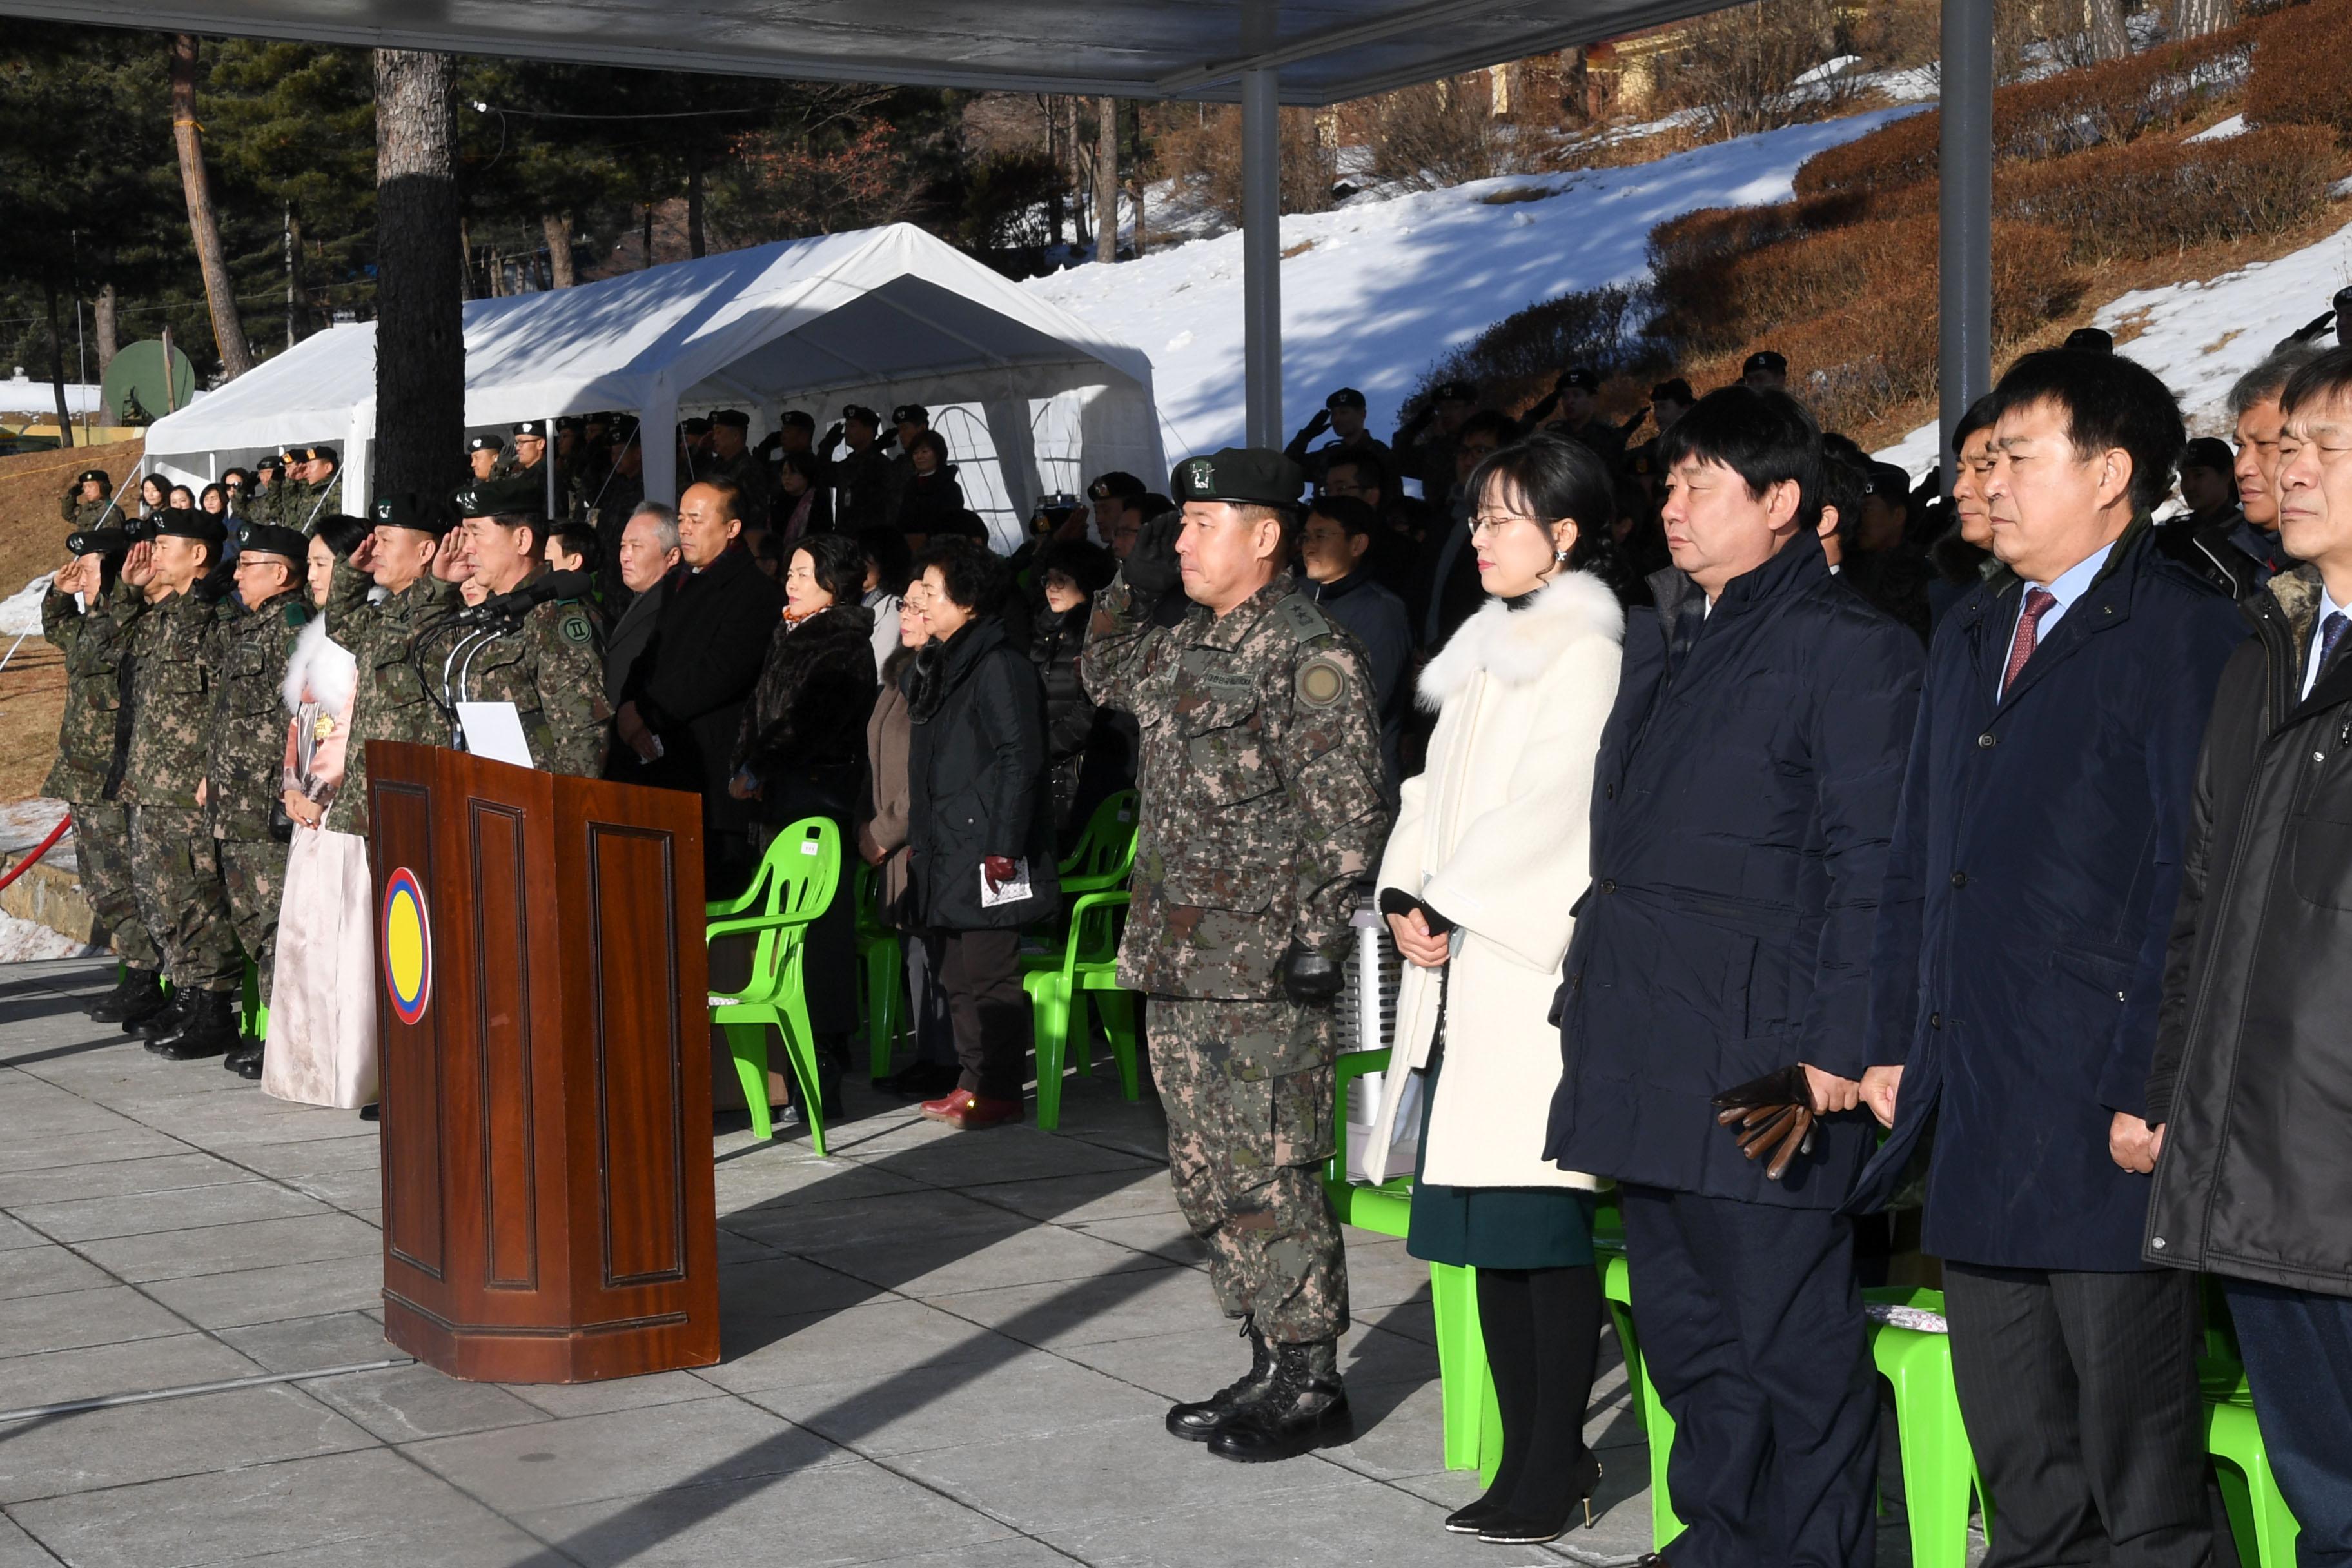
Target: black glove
(1308, 978)
(2313, 328)
(1320, 423)
(1153, 571)
(832, 437)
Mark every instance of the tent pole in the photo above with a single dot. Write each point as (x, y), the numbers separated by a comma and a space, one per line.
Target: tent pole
(548, 463)
(1965, 165)
(1262, 255)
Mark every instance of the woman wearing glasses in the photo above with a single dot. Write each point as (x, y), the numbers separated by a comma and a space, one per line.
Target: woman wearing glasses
(1486, 838)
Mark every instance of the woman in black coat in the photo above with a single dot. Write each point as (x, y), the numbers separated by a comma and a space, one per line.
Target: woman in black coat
(799, 754)
(1070, 573)
(980, 822)
(933, 499)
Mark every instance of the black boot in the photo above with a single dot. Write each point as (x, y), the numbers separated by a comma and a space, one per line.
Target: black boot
(1197, 1422)
(1507, 1325)
(137, 993)
(245, 1061)
(1555, 1362)
(1304, 1406)
(163, 1020)
(207, 1028)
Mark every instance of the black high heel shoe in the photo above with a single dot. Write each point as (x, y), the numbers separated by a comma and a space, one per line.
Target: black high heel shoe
(1513, 1527)
(1473, 1517)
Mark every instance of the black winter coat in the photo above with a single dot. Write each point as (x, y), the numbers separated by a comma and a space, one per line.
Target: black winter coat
(693, 679)
(1069, 712)
(2021, 955)
(976, 780)
(803, 735)
(932, 502)
(2252, 1068)
(1741, 809)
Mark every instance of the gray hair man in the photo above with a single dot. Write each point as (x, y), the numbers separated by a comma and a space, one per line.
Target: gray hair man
(647, 556)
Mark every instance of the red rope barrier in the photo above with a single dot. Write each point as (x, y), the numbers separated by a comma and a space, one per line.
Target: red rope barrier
(48, 844)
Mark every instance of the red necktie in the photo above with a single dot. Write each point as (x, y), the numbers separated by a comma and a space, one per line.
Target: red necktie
(2028, 633)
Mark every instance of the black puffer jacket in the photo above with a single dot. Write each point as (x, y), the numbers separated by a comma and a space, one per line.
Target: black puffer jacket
(803, 736)
(932, 503)
(1069, 711)
(2252, 1067)
(976, 780)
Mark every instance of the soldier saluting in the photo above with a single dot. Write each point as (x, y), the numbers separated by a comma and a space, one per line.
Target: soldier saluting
(1263, 818)
(390, 701)
(88, 501)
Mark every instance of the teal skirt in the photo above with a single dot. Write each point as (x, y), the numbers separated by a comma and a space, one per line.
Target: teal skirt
(1494, 1227)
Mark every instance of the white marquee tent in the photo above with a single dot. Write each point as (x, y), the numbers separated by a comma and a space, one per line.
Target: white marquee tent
(879, 316)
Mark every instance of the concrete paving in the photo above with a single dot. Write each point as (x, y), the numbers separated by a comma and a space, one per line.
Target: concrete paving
(940, 1351)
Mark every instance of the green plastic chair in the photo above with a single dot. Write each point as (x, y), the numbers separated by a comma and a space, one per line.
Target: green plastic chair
(1105, 853)
(2260, 1521)
(796, 883)
(1059, 987)
(882, 973)
(254, 1020)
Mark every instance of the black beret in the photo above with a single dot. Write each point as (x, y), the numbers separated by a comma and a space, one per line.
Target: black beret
(1125, 486)
(100, 475)
(269, 539)
(486, 444)
(796, 420)
(187, 522)
(1888, 482)
(1765, 359)
(1250, 475)
(2206, 452)
(269, 463)
(509, 497)
(1677, 390)
(734, 417)
(1456, 391)
(1581, 378)
(625, 427)
(571, 421)
(911, 414)
(321, 455)
(2096, 339)
(859, 411)
(531, 427)
(697, 426)
(1346, 398)
(404, 508)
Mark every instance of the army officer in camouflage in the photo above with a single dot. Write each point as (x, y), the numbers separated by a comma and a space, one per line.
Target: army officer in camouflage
(1263, 820)
(89, 501)
(245, 763)
(534, 642)
(390, 701)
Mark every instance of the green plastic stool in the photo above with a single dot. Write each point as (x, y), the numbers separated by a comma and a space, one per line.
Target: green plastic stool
(1058, 986)
(2260, 1521)
(882, 974)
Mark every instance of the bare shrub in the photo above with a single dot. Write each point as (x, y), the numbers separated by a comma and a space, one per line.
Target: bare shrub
(1206, 154)
(2152, 197)
(1514, 361)
(1737, 69)
(2302, 72)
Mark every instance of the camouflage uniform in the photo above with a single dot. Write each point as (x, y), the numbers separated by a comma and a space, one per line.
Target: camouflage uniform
(392, 701)
(863, 495)
(550, 666)
(300, 504)
(245, 768)
(91, 740)
(175, 875)
(1263, 817)
(80, 514)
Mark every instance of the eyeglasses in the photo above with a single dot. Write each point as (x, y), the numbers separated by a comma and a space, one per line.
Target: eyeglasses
(1496, 521)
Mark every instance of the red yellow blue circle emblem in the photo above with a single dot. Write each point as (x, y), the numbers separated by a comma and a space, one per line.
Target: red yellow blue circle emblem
(405, 939)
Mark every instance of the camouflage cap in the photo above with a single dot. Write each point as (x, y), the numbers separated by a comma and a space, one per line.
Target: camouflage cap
(512, 495)
(269, 539)
(406, 508)
(187, 522)
(1249, 476)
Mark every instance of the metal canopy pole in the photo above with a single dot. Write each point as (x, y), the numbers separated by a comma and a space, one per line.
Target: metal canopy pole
(1262, 257)
(1965, 164)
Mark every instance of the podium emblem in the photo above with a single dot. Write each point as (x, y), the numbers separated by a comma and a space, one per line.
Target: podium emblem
(406, 941)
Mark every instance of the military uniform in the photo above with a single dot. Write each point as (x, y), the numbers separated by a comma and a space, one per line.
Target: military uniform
(390, 701)
(79, 514)
(175, 875)
(91, 740)
(1263, 817)
(550, 663)
(245, 767)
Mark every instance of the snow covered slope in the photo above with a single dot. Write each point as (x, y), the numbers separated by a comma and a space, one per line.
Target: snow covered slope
(1388, 286)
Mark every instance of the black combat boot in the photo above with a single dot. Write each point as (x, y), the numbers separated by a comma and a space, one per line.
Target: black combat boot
(163, 1020)
(245, 1061)
(139, 992)
(1197, 1422)
(1304, 1406)
(207, 1028)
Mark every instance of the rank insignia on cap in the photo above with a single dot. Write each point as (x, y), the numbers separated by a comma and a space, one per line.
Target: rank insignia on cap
(1322, 681)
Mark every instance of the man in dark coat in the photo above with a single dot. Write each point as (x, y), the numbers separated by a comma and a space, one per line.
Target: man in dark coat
(2019, 962)
(2254, 1173)
(1741, 805)
(1448, 592)
(685, 695)
(647, 554)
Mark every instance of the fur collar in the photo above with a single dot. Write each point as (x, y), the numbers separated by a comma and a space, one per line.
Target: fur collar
(323, 668)
(1516, 647)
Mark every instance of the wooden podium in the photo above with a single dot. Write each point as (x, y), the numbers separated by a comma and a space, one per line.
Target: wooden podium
(548, 1205)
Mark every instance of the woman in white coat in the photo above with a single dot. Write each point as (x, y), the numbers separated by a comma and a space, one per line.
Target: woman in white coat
(1490, 844)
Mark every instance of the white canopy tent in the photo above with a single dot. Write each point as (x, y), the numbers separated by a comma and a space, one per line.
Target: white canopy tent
(879, 316)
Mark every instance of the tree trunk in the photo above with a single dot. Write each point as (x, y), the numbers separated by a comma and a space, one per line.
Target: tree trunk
(694, 199)
(1575, 84)
(58, 369)
(1106, 179)
(109, 344)
(1054, 160)
(1079, 233)
(228, 331)
(420, 359)
(465, 262)
(2103, 29)
(646, 234)
(2195, 18)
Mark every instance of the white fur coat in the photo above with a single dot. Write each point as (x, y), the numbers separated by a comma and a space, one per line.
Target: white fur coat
(1494, 835)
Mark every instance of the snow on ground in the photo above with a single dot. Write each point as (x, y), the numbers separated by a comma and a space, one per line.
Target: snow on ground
(23, 941)
(2221, 130)
(1387, 286)
(2200, 337)
(20, 612)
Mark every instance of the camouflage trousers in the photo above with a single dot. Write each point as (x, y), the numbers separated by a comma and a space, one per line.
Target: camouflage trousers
(254, 873)
(101, 831)
(1246, 1143)
(178, 881)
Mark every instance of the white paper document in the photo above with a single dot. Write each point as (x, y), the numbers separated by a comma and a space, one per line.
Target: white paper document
(1011, 892)
(494, 730)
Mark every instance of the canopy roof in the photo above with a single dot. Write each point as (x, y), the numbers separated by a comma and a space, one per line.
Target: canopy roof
(1326, 50)
(876, 315)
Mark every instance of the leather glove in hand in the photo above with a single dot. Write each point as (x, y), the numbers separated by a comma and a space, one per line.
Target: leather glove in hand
(1152, 569)
(1308, 978)
(998, 869)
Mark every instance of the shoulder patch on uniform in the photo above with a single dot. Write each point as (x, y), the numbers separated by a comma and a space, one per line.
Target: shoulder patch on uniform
(298, 616)
(1322, 681)
(575, 628)
(1303, 620)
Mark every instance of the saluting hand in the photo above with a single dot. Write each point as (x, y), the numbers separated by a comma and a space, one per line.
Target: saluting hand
(139, 564)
